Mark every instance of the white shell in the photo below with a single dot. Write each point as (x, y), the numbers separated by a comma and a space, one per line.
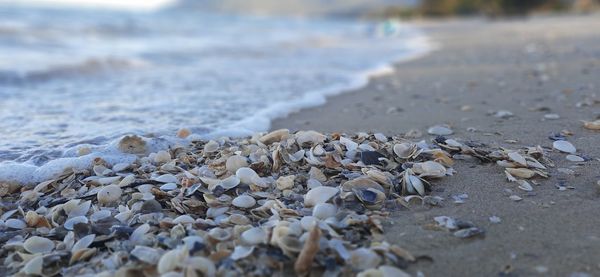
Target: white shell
(35, 245)
(439, 130)
(240, 252)
(312, 137)
(564, 146)
(15, 223)
(244, 201)
(246, 175)
(184, 219)
(235, 162)
(70, 223)
(308, 222)
(350, 145)
(318, 195)
(518, 158)
(34, 266)
(162, 157)
(363, 258)
(169, 261)
(211, 146)
(168, 187)
(109, 194)
(324, 210)
(146, 254)
(575, 158)
(83, 243)
(167, 178)
(253, 236)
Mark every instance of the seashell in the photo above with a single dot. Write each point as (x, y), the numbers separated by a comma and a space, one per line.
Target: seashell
(371, 157)
(564, 146)
(15, 223)
(524, 185)
(412, 184)
(244, 201)
(150, 206)
(162, 157)
(83, 243)
(317, 174)
(168, 187)
(520, 172)
(227, 184)
(183, 133)
(275, 136)
(575, 158)
(167, 178)
(235, 162)
(254, 236)
(350, 145)
(132, 145)
(308, 222)
(146, 254)
(380, 137)
(518, 158)
(219, 234)
(34, 266)
(503, 114)
(239, 219)
(440, 130)
(406, 150)
(285, 182)
(363, 258)
(391, 271)
(184, 219)
(429, 169)
(120, 167)
(370, 197)
(592, 125)
(71, 222)
(248, 176)
(128, 180)
(318, 195)
(169, 261)
(109, 194)
(361, 183)
(309, 137)
(205, 266)
(35, 245)
(211, 146)
(108, 180)
(324, 211)
(138, 234)
(241, 252)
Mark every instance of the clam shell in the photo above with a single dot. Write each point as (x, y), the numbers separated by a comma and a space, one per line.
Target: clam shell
(169, 261)
(184, 219)
(235, 162)
(311, 137)
(575, 158)
(363, 258)
(244, 201)
(219, 234)
(440, 130)
(564, 146)
(204, 265)
(350, 145)
(14, 223)
(109, 194)
(308, 222)
(167, 178)
(253, 236)
(324, 211)
(83, 243)
(592, 125)
(162, 157)
(34, 266)
(35, 245)
(211, 146)
(429, 169)
(146, 254)
(518, 158)
(241, 252)
(318, 195)
(70, 223)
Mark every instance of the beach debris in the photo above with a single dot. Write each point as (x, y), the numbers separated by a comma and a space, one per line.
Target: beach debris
(551, 116)
(504, 114)
(305, 201)
(440, 130)
(592, 125)
(495, 219)
(564, 146)
(575, 158)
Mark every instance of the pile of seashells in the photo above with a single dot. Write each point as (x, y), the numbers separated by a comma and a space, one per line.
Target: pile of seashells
(279, 203)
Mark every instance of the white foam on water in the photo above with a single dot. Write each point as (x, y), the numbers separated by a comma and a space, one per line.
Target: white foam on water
(75, 113)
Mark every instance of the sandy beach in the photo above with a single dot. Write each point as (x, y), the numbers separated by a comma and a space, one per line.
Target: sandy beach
(544, 71)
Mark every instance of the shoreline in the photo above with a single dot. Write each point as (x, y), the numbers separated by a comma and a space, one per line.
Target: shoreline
(535, 68)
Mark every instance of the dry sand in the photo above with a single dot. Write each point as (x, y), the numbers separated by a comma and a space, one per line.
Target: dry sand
(517, 65)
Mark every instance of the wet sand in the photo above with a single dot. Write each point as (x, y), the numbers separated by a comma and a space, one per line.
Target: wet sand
(530, 67)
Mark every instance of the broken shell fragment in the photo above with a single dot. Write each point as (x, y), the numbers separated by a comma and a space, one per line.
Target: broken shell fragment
(564, 146)
(244, 201)
(440, 130)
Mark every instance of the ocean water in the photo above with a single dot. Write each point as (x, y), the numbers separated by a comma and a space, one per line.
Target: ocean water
(73, 77)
